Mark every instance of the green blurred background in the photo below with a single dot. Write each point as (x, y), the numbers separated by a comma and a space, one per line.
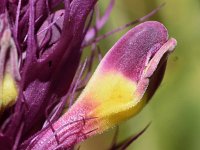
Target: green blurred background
(175, 108)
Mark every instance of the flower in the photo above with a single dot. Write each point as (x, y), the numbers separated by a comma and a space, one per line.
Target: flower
(9, 75)
(116, 90)
(44, 42)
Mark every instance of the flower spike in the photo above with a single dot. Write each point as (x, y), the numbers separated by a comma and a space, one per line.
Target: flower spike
(117, 89)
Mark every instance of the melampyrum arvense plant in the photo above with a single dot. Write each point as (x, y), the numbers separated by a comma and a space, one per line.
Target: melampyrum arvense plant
(41, 72)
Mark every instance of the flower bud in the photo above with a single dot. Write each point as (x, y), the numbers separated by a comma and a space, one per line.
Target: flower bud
(9, 74)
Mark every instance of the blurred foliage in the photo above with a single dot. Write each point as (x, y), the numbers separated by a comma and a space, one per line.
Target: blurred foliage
(175, 108)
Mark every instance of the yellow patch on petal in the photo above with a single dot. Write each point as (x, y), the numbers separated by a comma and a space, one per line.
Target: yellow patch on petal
(114, 94)
(124, 113)
(9, 92)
